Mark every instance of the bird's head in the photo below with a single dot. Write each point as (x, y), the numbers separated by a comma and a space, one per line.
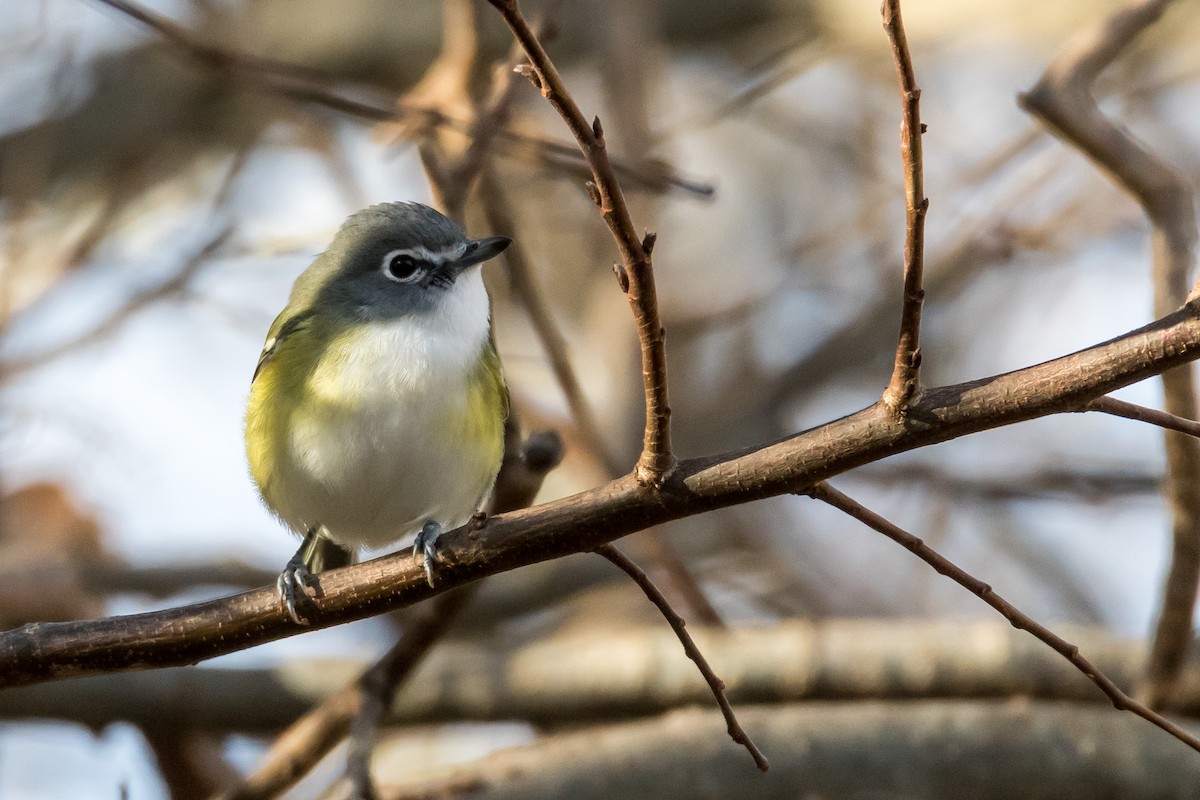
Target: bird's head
(395, 259)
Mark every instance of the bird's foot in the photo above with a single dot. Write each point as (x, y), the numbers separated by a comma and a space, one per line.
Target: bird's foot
(295, 586)
(425, 546)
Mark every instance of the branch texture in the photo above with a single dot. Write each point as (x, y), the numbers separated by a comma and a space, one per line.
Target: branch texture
(906, 374)
(581, 522)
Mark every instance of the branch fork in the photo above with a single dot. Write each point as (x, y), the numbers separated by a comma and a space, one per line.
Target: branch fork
(657, 461)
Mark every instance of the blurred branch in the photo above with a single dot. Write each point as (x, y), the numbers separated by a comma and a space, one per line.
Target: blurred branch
(566, 678)
(312, 86)
(298, 749)
(934, 751)
(977, 249)
(449, 85)
(1063, 100)
(636, 272)
(586, 520)
(361, 705)
(496, 205)
(771, 73)
(715, 684)
(190, 763)
(1031, 484)
(1020, 620)
(173, 287)
(114, 576)
(905, 382)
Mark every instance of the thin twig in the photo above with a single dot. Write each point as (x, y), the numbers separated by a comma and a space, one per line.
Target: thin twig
(1063, 100)
(636, 272)
(1019, 620)
(677, 624)
(905, 383)
(1121, 408)
(525, 286)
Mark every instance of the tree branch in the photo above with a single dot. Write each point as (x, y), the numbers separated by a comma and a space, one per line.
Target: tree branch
(906, 374)
(934, 751)
(524, 285)
(1152, 416)
(636, 271)
(1019, 620)
(715, 684)
(566, 678)
(1063, 100)
(581, 522)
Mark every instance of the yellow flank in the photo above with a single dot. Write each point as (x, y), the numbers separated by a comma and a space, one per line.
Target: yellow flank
(275, 396)
(308, 381)
(487, 392)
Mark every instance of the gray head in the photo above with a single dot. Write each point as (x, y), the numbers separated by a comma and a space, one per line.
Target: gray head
(394, 259)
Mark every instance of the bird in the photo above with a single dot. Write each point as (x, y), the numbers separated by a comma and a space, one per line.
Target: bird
(378, 403)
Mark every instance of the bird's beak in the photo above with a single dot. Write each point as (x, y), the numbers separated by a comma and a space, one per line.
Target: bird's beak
(481, 250)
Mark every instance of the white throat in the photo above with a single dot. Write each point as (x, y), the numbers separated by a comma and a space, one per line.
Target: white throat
(412, 352)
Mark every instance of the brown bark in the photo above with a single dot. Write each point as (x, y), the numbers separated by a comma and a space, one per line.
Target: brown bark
(580, 522)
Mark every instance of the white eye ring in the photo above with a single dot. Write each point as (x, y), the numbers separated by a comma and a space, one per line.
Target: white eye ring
(403, 266)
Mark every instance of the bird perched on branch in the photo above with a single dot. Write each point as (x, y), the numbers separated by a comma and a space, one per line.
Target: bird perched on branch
(378, 404)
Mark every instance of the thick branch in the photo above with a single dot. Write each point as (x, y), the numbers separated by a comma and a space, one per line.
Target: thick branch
(906, 374)
(932, 751)
(583, 521)
(1063, 100)
(567, 678)
(1019, 620)
(636, 272)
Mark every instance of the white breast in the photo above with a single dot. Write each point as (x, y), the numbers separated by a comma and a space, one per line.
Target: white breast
(372, 458)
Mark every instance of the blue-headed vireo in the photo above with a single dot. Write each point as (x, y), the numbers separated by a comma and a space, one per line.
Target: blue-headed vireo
(378, 404)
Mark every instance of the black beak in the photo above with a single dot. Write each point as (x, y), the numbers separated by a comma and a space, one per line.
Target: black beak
(481, 250)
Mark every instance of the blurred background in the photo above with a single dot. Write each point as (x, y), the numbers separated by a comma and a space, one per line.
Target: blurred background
(168, 168)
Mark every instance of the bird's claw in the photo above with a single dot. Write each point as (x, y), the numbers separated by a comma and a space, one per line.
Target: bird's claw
(425, 546)
(294, 583)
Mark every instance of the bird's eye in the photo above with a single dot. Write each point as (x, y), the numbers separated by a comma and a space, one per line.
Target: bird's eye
(401, 267)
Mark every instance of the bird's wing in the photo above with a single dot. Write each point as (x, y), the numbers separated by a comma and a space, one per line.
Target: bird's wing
(284, 326)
